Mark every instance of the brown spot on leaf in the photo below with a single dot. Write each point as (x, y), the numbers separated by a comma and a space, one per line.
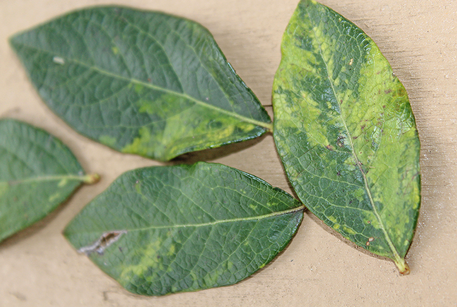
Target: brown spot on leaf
(105, 240)
(340, 141)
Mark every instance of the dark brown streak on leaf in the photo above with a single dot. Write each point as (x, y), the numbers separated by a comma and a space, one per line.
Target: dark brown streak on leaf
(103, 242)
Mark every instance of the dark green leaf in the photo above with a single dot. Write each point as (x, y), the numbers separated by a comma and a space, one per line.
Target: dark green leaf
(37, 173)
(345, 132)
(169, 229)
(140, 82)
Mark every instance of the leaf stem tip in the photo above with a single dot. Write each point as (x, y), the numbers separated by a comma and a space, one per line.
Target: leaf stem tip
(91, 179)
(403, 267)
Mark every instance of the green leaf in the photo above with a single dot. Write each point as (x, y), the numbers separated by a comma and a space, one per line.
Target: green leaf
(140, 82)
(162, 230)
(345, 132)
(37, 173)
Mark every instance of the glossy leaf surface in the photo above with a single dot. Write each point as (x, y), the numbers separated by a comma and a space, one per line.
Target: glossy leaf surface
(170, 229)
(37, 173)
(345, 132)
(140, 82)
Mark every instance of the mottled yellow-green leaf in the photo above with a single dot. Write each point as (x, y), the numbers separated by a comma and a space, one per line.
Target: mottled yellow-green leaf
(163, 230)
(140, 82)
(346, 133)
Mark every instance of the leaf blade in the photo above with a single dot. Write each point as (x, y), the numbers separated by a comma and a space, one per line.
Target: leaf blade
(185, 228)
(140, 82)
(37, 173)
(356, 165)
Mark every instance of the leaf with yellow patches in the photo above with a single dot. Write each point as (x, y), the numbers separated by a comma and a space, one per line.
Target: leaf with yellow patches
(345, 132)
(140, 82)
(162, 230)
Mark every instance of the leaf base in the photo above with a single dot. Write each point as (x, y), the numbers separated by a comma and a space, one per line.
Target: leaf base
(91, 179)
(403, 267)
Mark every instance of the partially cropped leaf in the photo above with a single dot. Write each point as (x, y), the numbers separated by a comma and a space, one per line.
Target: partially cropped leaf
(170, 229)
(140, 82)
(37, 173)
(345, 132)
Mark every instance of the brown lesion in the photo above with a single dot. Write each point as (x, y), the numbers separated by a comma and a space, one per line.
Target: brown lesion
(105, 240)
(340, 141)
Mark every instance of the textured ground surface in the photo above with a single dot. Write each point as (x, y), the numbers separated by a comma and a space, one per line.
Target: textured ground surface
(39, 268)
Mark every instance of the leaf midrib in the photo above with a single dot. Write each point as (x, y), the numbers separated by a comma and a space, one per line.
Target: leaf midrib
(45, 178)
(234, 220)
(267, 126)
(365, 180)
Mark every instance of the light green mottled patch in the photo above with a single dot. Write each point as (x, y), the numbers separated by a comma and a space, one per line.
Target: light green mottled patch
(359, 194)
(62, 183)
(3, 188)
(148, 260)
(141, 144)
(54, 196)
(139, 88)
(175, 133)
(115, 50)
(349, 231)
(107, 140)
(138, 187)
(171, 250)
(212, 277)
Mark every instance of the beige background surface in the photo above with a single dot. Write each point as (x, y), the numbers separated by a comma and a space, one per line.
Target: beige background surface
(419, 37)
